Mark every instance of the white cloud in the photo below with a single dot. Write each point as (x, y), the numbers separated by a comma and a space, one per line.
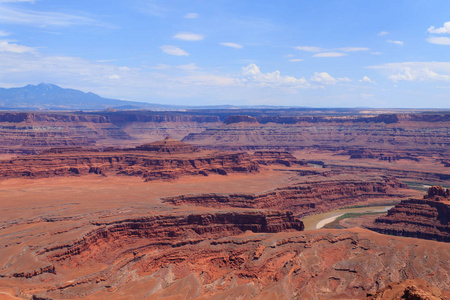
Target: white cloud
(309, 48)
(14, 48)
(440, 30)
(253, 76)
(8, 1)
(189, 67)
(173, 50)
(366, 79)
(329, 54)
(191, 16)
(208, 79)
(367, 96)
(323, 78)
(416, 71)
(296, 60)
(189, 36)
(232, 45)
(353, 49)
(395, 42)
(114, 77)
(376, 53)
(439, 40)
(36, 18)
(383, 33)
(4, 33)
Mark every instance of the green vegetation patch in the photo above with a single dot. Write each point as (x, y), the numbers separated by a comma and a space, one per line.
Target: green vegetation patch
(335, 223)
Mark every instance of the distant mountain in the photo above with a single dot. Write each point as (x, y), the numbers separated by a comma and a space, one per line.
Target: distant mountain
(53, 97)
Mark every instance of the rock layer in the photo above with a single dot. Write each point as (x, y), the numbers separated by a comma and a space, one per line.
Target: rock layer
(301, 198)
(426, 218)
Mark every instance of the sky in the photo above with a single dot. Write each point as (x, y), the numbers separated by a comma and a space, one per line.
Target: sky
(313, 53)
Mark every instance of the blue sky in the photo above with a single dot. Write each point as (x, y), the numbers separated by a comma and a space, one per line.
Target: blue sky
(330, 53)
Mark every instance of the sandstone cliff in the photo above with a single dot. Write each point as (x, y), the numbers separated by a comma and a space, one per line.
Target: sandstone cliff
(301, 198)
(426, 218)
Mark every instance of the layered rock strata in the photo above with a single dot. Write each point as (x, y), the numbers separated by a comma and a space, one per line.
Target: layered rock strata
(167, 159)
(426, 218)
(313, 265)
(301, 198)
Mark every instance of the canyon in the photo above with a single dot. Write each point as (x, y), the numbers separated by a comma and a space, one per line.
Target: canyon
(208, 204)
(426, 218)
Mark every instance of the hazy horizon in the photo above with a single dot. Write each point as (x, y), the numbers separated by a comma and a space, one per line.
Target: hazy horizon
(381, 54)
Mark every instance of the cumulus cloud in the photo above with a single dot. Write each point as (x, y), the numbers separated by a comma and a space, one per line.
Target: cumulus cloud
(366, 79)
(329, 54)
(309, 48)
(173, 50)
(191, 16)
(323, 78)
(439, 40)
(353, 49)
(441, 30)
(114, 77)
(416, 71)
(189, 36)
(395, 42)
(383, 33)
(253, 76)
(232, 45)
(14, 48)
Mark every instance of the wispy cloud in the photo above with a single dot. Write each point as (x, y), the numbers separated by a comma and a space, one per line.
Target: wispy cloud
(232, 45)
(37, 18)
(329, 54)
(10, 1)
(441, 30)
(439, 40)
(309, 48)
(353, 49)
(382, 33)
(5, 46)
(395, 42)
(4, 33)
(191, 16)
(416, 71)
(189, 36)
(296, 59)
(173, 50)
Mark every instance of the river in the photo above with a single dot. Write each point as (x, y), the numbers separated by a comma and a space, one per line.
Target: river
(320, 220)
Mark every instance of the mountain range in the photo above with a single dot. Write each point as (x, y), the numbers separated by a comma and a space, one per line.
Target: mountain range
(52, 97)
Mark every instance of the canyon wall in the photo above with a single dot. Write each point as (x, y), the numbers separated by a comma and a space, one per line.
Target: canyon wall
(301, 198)
(426, 218)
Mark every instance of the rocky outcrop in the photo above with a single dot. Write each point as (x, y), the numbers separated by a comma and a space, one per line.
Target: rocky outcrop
(426, 218)
(387, 156)
(142, 163)
(301, 198)
(277, 157)
(171, 230)
(169, 146)
(310, 265)
(411, 289)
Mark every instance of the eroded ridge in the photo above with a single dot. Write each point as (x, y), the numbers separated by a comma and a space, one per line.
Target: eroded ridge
(426, 218)
(301, 198)
(167, 159)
